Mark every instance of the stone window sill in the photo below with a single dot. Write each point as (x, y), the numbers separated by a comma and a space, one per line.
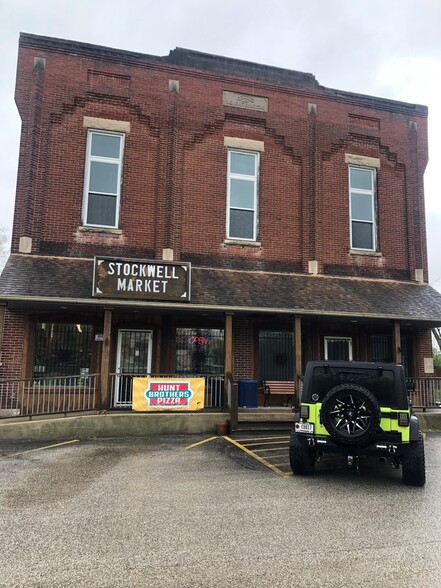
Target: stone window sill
(241, 243)
(365, 253)
(100, 230)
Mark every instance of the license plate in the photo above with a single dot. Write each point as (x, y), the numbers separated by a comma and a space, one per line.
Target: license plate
(304, 427)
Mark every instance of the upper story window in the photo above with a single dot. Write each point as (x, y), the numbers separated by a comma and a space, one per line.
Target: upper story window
(102, 188)
(242, 195)
(362, 205)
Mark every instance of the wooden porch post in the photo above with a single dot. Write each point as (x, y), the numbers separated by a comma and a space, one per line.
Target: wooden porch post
(228, 358)
(298, 355)
(104, 400)
(229, 343)
(396, 338)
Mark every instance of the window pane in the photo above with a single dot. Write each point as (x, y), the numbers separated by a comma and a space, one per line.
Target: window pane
(361, 178)
(362, 235)
(242, 163)
(62, 349)
(241, 224)
(382, 348)
(276, 356)
(106, 145)
(338, 349)
(361, 207)
(200, 351)
(241, 194)
(101, 210)
(103, 177)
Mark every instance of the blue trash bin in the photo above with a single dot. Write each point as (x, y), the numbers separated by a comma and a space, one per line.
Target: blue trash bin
(247, 393)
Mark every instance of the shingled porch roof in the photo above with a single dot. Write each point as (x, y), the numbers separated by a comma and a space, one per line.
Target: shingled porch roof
(38, 280)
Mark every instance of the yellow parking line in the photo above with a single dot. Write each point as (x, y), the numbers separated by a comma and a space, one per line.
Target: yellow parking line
(257, 457)
(200, 442)
(264, 438)
(265, 443)
(270, 449)
(45, 447)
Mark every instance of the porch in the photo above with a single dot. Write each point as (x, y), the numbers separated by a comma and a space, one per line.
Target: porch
(32, 397)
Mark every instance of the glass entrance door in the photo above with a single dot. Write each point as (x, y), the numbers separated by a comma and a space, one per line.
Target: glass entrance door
(134, 358)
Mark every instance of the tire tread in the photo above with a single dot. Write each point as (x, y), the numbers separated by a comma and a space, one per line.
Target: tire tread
(301, 458)
(413, 464)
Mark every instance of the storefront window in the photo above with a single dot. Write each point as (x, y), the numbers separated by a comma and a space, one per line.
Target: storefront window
(338, 348)
(276, 355)
(382, 351)
(62, 350)
(199, 351)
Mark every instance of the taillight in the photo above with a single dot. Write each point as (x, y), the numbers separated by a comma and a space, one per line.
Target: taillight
(304, 411)
(403, 419)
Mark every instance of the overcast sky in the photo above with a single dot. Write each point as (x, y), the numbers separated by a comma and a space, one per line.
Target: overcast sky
(383, 48)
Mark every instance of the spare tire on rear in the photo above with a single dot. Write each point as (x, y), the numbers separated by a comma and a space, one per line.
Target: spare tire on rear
(351, 414)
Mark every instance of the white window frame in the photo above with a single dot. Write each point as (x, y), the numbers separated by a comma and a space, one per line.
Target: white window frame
(372, 194)
(245, 177)
(95, 158)
(329, 338)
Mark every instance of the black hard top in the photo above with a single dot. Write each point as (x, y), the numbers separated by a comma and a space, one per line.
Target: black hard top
(385, 380)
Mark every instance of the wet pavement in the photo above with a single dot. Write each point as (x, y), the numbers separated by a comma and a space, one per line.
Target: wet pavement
(185, 511)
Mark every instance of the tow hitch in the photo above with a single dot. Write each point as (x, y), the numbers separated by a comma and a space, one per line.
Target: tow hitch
(353, 462)
(392, 449)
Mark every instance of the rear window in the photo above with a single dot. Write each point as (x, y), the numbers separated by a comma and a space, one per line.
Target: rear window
(381, 383)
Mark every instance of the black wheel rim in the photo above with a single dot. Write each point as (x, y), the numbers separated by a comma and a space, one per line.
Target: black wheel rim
(350, 415)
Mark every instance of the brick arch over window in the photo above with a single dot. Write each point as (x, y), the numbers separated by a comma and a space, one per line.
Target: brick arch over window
(364, 145)
(255, 126)
(106, 106)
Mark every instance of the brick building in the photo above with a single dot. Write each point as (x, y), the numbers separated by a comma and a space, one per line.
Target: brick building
(200, 214)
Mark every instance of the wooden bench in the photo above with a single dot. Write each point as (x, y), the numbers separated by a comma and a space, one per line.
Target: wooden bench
(273, 387)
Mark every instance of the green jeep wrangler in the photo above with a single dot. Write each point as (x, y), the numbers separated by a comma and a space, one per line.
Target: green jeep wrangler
(357, 409)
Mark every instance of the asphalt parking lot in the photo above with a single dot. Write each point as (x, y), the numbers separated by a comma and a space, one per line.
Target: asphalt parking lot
(193, 511)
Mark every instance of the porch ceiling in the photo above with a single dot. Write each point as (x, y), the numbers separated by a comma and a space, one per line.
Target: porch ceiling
(29, 280)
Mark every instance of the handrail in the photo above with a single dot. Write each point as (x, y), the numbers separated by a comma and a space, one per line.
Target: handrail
(426, 392)
(49, 395)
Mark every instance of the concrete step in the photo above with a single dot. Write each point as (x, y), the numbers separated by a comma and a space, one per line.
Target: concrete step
(266, 414)
(264, 426)
(265, 420)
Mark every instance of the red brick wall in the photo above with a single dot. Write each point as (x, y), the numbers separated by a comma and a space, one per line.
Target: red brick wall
(243, 349)
(12, 347)
(392, 226)
(424, 349)
(175, 162)
(204, 213)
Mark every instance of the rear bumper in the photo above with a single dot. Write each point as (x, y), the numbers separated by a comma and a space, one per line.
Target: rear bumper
(380, 448)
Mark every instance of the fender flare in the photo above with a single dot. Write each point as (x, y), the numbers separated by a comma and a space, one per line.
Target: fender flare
(414, 428)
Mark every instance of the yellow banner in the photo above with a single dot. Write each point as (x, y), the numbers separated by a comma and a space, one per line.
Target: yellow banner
(168, 394)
